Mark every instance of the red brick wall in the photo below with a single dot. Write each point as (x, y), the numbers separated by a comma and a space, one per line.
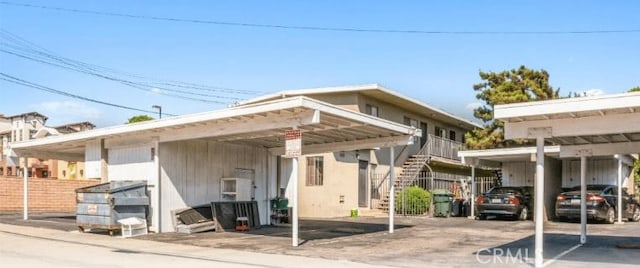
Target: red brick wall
(45, 195)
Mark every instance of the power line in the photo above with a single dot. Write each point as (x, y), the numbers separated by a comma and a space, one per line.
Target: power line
(27, 46)
(27, 50)
(18, 81)
(313, 28)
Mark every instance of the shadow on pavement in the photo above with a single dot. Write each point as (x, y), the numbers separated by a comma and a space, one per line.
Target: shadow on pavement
(599, 248)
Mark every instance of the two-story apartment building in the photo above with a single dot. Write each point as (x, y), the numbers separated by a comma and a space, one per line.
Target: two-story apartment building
(32, 125)
(332, 184)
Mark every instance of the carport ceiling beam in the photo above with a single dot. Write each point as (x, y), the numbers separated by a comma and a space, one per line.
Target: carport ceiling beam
(603, 149)
(244, 126)
(606, 125)
(351, 145)
(51, 155)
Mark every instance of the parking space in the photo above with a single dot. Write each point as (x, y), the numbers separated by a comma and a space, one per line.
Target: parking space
(417, 242)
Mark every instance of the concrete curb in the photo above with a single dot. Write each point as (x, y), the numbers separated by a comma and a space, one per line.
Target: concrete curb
(177, 250)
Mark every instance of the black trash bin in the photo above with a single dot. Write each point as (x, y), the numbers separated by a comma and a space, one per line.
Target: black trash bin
(101, 206)
(457, 209)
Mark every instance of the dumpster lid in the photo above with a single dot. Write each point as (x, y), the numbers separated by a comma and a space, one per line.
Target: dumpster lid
(441, 192)
(112, 186)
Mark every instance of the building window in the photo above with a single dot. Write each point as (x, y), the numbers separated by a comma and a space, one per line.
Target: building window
(452, 135)
(315, 173)
(371, 110)
(410, 122)
(440, 132)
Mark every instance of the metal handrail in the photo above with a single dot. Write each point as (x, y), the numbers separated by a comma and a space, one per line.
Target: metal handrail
(386, 176)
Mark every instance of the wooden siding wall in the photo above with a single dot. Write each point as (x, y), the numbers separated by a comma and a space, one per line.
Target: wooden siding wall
(191, 172)
(92, 158)
(599, 171)
(521, 173)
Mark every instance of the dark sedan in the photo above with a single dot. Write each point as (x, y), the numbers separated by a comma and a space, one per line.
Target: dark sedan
(514, 202)
(601, 204)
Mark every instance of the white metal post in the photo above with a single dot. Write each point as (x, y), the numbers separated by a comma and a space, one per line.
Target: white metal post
(539, 199)
(619, 197)
(473, 191)
(25, 190)
(392, 193)
(294, 205)
(583, 199)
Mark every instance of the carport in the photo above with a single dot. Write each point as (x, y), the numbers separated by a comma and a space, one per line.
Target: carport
(324, 128)
(583, 127)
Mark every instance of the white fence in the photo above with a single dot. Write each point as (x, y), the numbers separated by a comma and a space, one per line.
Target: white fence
(459, 185)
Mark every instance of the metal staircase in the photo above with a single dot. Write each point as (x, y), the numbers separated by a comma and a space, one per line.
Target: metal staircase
(409, 174)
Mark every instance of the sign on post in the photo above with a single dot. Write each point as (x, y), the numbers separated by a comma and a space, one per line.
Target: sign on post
(293, 143)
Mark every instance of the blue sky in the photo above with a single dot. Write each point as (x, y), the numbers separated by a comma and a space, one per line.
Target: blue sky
(439, 69)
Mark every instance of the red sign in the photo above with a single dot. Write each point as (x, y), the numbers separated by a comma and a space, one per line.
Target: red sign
(293, 143)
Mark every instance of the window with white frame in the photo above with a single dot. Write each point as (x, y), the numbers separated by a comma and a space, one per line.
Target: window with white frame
(410, 121)
(440, 132)
(371, 110)
(315, 170)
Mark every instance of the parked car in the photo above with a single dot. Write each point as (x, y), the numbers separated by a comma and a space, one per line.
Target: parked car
(601, 201)
(513, 202)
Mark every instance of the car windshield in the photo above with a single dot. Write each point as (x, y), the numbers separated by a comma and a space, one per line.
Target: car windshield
(504, 190)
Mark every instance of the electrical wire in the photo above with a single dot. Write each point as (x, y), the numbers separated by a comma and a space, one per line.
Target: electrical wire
(18, 81)
(25, 49)
(314, 28)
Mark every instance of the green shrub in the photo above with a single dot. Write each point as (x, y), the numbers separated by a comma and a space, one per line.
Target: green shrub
(416, 199)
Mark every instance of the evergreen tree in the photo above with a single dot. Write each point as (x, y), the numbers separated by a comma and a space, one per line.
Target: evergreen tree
(513, 86)
(139, 118)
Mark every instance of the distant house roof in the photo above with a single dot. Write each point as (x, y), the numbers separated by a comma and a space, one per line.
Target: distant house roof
(44, 132)
(75, 127)
(375, 91)
(35, 114)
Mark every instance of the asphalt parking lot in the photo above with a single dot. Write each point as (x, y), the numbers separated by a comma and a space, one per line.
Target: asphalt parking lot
(416, 242)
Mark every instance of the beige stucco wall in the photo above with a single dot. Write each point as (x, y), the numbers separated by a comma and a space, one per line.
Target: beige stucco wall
(341, 172)
(340, 179)
(75, 171)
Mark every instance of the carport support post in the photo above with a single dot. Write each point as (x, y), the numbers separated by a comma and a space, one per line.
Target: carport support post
(619, 197)
(539, 199)
(583, 198)
(25, 189)
(392, 177)
(473, 191)
(294, 205)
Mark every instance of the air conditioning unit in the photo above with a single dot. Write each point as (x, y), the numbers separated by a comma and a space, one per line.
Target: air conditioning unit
(235, 189)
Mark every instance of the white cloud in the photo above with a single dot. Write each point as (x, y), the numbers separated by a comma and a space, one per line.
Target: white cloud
(591, 92)
(473, 105)
(156, 90)
(65, 112)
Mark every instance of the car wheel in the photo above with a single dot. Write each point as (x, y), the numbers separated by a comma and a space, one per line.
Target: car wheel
(611, 216)
(523, 214)
(636, 214)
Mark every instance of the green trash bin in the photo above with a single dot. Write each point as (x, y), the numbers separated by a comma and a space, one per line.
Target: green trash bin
(442, 202)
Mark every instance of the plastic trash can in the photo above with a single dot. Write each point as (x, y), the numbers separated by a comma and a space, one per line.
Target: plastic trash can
(442, 202)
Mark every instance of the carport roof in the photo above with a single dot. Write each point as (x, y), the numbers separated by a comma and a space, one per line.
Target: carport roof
(604, 125)
(324, 127)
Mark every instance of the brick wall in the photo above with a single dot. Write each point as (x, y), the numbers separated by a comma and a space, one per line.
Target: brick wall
(45, 195)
